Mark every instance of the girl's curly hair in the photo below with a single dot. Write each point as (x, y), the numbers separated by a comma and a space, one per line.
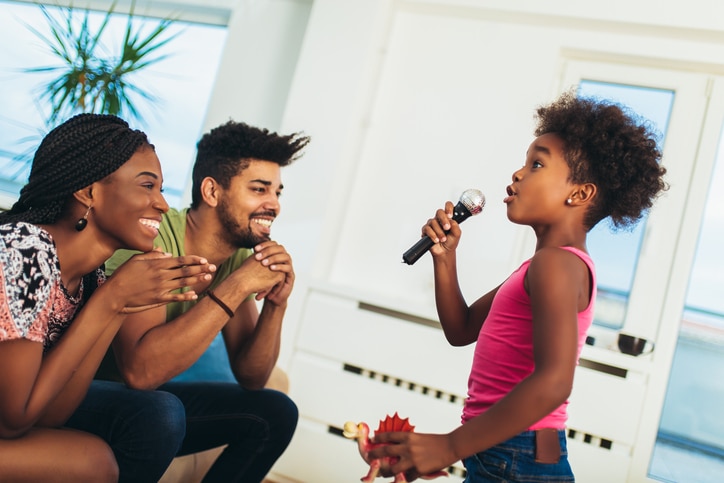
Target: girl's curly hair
(611, 147)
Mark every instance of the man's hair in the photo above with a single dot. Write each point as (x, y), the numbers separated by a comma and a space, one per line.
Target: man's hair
(84, 149)
(613, 148)
(226, 151)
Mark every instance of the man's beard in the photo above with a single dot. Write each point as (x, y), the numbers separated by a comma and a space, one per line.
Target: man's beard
(235, 234)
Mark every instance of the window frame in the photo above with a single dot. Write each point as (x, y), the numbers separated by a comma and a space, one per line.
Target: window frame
(658, 292)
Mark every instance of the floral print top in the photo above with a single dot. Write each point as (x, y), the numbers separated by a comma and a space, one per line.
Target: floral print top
(34, 304)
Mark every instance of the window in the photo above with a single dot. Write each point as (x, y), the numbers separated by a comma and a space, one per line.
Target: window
(691, 429)
(691, 424)
(661, 280)
(182, 82)
(616, 254)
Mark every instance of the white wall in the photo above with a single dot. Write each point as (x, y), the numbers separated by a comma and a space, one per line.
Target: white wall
(410, 102)
(262, 48)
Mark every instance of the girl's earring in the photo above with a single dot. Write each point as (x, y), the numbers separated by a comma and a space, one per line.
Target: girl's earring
(83, 222)
(569, 201)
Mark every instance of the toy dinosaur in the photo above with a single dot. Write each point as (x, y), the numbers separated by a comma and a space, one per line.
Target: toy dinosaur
(361, 433)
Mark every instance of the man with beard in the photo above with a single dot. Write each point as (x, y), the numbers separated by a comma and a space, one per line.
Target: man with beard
(235, 200)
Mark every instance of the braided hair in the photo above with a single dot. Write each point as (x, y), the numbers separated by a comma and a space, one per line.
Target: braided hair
(84, 149)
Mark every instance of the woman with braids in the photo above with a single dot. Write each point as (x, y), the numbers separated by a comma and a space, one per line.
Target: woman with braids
(94, 187)
(591, 160)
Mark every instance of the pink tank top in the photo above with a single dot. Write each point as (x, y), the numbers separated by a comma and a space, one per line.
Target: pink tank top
(504, 350)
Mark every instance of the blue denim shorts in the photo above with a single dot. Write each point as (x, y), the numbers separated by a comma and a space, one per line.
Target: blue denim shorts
(514, 461)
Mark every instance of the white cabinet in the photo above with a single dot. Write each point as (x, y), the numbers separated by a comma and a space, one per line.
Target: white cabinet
(354, 361)
(358, 361)
(603, 414)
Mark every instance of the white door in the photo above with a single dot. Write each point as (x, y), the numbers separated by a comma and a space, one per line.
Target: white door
(644, 274)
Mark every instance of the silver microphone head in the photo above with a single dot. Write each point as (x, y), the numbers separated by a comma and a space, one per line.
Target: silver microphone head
(473, 200)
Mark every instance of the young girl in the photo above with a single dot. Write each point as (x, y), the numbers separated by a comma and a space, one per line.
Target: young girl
(94, 187)
(589, 161)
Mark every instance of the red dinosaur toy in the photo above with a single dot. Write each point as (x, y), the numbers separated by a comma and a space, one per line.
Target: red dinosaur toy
(361, 432)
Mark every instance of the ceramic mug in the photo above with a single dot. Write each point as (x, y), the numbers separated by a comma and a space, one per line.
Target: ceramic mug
(634, 346)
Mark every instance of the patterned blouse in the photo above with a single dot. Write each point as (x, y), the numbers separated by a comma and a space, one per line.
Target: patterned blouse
(34, 304)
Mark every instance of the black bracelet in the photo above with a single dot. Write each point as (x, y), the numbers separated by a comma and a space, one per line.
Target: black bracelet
(221, 304)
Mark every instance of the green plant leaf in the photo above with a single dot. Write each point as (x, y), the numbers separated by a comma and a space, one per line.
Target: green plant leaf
(89, 78)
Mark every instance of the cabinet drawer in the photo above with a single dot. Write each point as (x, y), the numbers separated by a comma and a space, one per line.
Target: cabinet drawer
(328, 392)
(594, 464)
(339, 329)
(607, 405)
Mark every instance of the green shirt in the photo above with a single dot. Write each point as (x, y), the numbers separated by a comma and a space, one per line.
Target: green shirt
(213, 364)
(170, 239)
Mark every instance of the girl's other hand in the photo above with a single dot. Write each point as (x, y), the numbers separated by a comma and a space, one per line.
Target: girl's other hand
(414, 454)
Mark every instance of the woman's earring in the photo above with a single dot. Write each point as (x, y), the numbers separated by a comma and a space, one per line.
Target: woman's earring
(83, 222)
(569, 201)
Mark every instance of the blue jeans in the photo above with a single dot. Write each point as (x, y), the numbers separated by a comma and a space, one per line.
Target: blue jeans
(514, 461)
(147, 429)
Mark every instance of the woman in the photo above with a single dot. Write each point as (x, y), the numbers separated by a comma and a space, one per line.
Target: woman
(94, 187)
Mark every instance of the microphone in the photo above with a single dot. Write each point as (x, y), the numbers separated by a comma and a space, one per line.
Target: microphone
(471, 203)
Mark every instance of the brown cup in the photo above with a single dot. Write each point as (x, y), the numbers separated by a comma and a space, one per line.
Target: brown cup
(634, 346)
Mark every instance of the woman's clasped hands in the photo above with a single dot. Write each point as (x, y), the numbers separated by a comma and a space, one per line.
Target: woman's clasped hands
(152, 279)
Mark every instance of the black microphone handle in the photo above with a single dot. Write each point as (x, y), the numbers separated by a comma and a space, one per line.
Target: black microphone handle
(417, 250)
(460, 214)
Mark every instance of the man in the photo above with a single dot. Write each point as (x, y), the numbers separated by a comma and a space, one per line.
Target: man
(235, 200)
